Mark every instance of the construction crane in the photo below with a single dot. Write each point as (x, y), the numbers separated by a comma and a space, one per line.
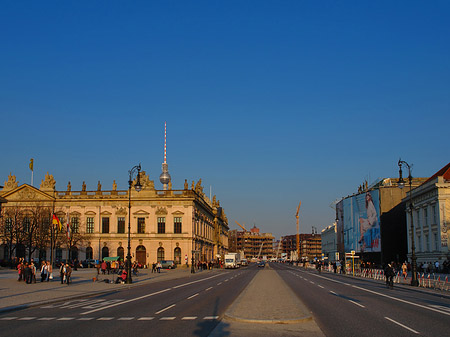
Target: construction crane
(298, 234)
(241, 226)
(260, 250)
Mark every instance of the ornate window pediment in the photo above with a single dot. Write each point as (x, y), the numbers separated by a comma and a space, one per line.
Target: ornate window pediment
(177, 213)
(141, 213)
(106, 213)
(121, 211)
(161, 211)
(90, 213)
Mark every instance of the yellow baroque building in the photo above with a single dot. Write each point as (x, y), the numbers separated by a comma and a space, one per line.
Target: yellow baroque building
(165, 224)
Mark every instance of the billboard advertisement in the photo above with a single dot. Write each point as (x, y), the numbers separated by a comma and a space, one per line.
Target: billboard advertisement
(362, 222)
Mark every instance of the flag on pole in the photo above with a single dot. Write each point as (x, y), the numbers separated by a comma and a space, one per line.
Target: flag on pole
(31, 164)
(56, 221)
(69, 231)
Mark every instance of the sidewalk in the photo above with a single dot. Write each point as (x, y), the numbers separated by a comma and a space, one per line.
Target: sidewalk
(267, 307)
(16, 295)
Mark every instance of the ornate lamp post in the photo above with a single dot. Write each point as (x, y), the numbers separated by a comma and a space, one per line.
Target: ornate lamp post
(138, 188)
(401, 184)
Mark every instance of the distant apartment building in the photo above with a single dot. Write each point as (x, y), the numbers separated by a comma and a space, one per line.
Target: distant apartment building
(310, 246)
(253, 243)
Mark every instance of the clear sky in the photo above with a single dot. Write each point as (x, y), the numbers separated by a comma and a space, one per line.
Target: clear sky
(269, 102)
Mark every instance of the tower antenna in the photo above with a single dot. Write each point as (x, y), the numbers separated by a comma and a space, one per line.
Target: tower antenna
(164, 178)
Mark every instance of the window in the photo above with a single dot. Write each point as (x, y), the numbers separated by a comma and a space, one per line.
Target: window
(433, 210)
(26, 224)
(141, 225)
(436, 241)
(427, 242)
(75, 225)
(8, 225)
(89, 253)
(160, 254)
(161, 225)
(425, 216)
(105, 225)
(177, 225)
(90, 225)
(121, 225)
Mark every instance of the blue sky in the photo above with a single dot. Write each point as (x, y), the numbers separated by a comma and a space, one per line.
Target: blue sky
(269, 102)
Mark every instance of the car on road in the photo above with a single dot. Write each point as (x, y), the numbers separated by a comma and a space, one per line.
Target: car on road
(168, 264)
(261, 264)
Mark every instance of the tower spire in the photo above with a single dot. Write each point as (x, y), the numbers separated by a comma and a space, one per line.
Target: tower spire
(164, 178)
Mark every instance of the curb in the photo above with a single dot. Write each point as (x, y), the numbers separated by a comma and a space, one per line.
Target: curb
(269, 321)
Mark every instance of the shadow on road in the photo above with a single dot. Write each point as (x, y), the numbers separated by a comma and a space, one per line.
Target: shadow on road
(206, 326)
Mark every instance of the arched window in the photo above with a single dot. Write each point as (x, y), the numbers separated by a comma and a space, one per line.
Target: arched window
(141, 255)
(89, 253)
(121, 253)
(160, 254)
(105, 252)
(177, 255)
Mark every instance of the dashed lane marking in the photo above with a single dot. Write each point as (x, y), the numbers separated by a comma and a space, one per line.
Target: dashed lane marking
(167, 318)
(26, 318)
(189, 318)
(208, 288)
(360, 305)
(192, 296)
(46, 318)
(85, 319)
(8, 318)
(211, 317)
(66, 319)
(402, 325)
(126, 318)
(333, 292)
(146, 318)
(105, 318)
(320, 286)
(219, 283)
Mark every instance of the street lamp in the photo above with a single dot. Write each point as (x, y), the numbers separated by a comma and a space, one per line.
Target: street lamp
(401, 184)
(138, 188)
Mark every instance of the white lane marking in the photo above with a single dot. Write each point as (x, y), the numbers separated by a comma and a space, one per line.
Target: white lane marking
(189, 318)
(320, 286)
(203, 279)
(311, 282)
(46, 318)
(357, 304)
(226, 280)
(387, 296)
(162, 310)
(8, 318)
(211, 317)
(441, 307)
(192, 296)
(167, 318)
(126, 318)
(333, 292)
(145, 318)
(85, 319)
(219, 283)
(402, 325)
(208, 288)
(26, 318)
(128, 301)
(66, 319)
(105, 318)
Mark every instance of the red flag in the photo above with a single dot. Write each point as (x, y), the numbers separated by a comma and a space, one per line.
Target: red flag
(56, 221)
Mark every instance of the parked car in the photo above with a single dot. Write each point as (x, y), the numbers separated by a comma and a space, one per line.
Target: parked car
(261, 264)
(168, 264)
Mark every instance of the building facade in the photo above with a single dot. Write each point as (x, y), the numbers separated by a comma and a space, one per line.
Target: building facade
(310, 246)
(165, 224)
(329, 243)
(431, 218)
(253, 244)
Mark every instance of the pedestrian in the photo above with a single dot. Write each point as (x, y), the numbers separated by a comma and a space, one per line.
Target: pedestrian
(27, 273)
(153, 267)
(404, 270)
(33, 272)
(62, 272)
(103, 267)
(21, 270)
(389, 274)
(43, 271)
(159, 266)
(68, 273)
(49, 271)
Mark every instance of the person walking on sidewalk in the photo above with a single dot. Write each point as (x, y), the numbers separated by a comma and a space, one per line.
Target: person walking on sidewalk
(44, 271)
(153, 267)
(33, 272)
(49, 271)
(62, 272)
(159, 266)
(20, 270)
(389, 274)
(67, 273)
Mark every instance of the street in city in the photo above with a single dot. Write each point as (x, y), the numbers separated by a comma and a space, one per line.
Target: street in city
(277, 300)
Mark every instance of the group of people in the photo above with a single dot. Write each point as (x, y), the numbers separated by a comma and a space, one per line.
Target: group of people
(65, 272)
(26, 271)
(156, 267)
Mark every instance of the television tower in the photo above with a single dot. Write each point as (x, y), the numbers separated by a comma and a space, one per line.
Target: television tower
(164, 178)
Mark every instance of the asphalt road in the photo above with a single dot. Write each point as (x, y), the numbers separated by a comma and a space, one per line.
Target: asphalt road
(190, 306)
(344, 306)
